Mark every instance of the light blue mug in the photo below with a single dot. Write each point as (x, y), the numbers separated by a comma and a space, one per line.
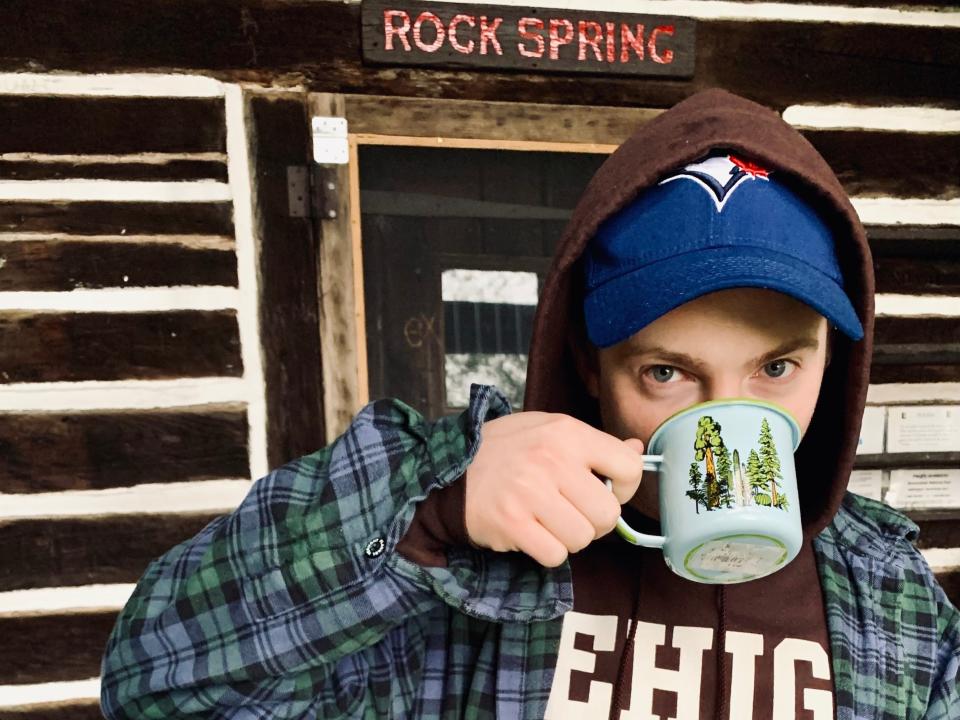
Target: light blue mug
(729, 509)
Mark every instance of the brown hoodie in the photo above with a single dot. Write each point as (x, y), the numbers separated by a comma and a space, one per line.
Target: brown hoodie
(640, 638)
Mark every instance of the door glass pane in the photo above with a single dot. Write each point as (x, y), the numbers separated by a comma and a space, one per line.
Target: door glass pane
(455, 242)
(487, 315)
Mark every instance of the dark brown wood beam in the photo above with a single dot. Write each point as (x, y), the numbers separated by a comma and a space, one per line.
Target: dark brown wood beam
(73, 347)
(289, 279)
(97, 450)
(70, 264)
(53, 553)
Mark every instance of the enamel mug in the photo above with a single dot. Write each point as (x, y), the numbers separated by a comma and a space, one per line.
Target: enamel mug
(729, 510)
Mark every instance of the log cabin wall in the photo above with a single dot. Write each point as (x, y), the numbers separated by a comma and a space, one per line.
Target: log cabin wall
(159, 326)
(140, 345)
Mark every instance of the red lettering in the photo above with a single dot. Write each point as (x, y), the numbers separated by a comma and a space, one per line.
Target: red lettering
(390, 30)
(452, 33)
(611, 42)
(593, 40)
(488, 34)
(438, 26)
(667, 57)
(527, 35)
(629, 40)
(555, 40)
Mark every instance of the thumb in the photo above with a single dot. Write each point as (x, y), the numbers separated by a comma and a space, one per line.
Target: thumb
(635, 444)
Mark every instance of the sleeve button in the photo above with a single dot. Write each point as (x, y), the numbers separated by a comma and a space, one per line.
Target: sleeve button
(375, 547)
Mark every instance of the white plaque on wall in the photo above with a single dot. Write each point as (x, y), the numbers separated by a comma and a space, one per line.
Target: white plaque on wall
(868, 483)
(871, 430)
(931, 428)
(924, 488)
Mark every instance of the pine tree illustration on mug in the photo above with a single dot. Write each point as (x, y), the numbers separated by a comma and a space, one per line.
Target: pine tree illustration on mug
(717, 486)
(763, 471)
(726, 483)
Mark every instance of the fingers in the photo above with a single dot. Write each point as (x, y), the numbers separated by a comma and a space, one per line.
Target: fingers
(619, 460)
(622, 464)
(540, 544)
(565, 522)
(596, 503)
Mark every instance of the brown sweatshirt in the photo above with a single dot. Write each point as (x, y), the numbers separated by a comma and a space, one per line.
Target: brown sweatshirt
(640, 641)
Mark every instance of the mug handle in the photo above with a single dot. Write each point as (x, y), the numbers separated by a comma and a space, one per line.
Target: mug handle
(650, 462)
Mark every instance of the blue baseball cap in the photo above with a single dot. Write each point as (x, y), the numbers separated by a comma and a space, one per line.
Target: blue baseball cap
(720, 223)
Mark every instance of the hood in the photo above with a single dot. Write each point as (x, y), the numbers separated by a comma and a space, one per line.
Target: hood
(718, 120)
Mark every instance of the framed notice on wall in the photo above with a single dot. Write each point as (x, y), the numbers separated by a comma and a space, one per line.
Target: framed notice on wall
(453, 35)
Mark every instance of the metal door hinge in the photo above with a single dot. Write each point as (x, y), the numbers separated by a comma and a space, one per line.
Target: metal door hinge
(313, 191)
(330, 146)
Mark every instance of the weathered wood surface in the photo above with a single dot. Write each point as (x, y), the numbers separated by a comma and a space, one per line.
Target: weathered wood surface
(289, 286)
(75, 125)
(341, 318)
(160, 170)
(492, 120)
(117, 218)
(53, 553)
(53, 648)
(909, 460)
(778, 63)
(65, 264)
(99, 450)
(53, 347)
(899, 164)
(916, 349)
(943, 533)
(80, 710)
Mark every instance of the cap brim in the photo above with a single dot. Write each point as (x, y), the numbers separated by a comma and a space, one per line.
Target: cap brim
(630, 302)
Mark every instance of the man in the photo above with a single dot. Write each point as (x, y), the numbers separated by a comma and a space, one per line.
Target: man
(464, 567)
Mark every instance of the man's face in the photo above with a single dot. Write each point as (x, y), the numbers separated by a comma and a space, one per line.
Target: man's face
(739, 343)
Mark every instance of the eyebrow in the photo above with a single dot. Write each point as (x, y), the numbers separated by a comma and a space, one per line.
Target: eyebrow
(682, 359)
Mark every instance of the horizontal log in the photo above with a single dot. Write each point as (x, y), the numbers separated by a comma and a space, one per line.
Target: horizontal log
(888, 461)
(891, 331)
(914, 240)
(80, 710)
(114, 125)
(169, 170)
(118, 218)
(881, 374)
(53, 648)
(50, 347)
(916, 349)
(534, 122)
(99, 450)
(82, 551)
(932, 275)
(61, 264)
(318, 43)
(940, 533)
(900, 164)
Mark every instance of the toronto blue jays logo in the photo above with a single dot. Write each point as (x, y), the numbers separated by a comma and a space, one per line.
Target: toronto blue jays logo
(720, 176)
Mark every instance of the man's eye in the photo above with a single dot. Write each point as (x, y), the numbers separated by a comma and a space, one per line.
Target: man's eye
(662, 373)
(778, 368)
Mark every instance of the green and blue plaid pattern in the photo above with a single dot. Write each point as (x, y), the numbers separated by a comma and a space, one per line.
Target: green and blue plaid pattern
(297, 605)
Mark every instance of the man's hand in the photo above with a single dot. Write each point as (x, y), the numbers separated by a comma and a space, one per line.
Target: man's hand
(532, 487)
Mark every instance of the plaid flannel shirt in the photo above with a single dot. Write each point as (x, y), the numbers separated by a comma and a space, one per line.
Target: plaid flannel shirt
(297, 605)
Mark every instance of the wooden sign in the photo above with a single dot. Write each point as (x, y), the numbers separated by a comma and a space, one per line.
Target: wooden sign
(451, 35)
